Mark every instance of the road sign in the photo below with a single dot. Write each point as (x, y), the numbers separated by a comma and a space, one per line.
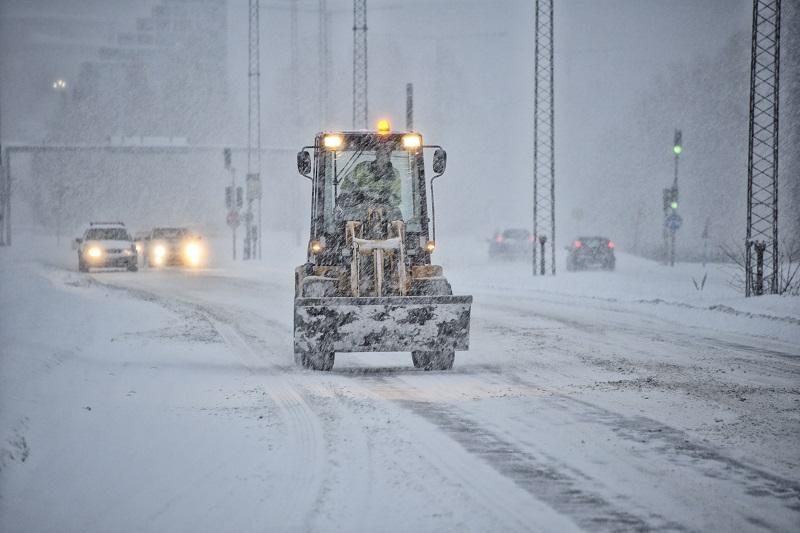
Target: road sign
(673, 222)
(253, 186)
(233, 219)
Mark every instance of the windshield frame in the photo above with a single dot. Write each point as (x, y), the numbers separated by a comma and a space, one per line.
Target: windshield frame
(324, 221)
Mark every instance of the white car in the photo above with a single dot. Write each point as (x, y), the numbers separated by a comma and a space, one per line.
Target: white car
(106, 245)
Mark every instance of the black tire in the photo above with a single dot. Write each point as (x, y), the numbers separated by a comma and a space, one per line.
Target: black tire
(133, 267)
(322, 361)
(420, 359)
(82, 267)
(440, 360)
(300, 359)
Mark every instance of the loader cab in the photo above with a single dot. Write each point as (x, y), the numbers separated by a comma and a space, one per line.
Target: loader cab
(362, 174)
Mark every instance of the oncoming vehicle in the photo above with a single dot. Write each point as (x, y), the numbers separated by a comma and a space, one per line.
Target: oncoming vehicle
(368, 284)
(174, 246)
(106, 245)
(512, 243)
(588, 252)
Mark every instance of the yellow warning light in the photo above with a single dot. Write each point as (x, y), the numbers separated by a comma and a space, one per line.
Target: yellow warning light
(384, 127)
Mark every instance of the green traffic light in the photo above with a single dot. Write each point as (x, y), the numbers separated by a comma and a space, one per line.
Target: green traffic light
(677, 149)
(674, 205)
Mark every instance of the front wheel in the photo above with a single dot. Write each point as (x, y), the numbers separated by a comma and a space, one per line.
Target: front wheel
(420, 359)
(82, 267)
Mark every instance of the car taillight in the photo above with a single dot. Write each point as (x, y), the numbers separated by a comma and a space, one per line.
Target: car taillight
(578, 244)
(498, 239)
(611, 244)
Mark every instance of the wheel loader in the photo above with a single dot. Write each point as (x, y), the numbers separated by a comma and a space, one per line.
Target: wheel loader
(368, 284)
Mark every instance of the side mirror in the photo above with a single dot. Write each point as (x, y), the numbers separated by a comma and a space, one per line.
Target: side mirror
(304, 163)
(76, 243)
(439, 161)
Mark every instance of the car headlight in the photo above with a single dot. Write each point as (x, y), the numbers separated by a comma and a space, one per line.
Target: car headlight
(193, 252)
(95, 252)
(159, 250)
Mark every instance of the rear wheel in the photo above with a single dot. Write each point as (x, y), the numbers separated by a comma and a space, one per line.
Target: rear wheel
(133, 267)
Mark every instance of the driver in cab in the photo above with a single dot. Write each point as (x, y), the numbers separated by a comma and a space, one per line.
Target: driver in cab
(376, 183)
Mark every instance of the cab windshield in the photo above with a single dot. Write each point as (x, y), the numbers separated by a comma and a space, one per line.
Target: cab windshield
(377, 177)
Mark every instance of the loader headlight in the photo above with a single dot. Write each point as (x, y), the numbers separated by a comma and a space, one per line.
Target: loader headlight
(332, 141)
(316, 247)
(430, 246)
(138, 248)
(411, 142)
(159, 251)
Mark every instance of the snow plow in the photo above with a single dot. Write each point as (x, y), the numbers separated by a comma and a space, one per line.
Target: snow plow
(368, 284)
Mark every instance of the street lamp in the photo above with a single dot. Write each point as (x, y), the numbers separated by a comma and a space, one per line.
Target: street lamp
(60, 84)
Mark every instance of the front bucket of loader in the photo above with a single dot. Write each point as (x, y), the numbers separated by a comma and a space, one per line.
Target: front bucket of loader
(382, 324)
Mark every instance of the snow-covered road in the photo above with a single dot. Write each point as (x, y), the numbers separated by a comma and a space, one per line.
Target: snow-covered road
(168, 401)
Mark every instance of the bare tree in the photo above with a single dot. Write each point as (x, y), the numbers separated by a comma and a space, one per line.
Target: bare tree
(788, 266)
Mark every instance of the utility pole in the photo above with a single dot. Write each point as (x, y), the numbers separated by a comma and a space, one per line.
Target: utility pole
(233, 199)
(761, 270)
(409, 107)
(672, 220)
(253, 182)
(360, 106)
(323, 67)
(544, 220)
(5, 189)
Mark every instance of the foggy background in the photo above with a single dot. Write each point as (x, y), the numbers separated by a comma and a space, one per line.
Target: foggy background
(627, 73)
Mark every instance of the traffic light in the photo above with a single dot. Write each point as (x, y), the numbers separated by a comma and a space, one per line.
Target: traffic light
(673, 198)
(228, 196)
(677, 145)
(227, 154)
(239, 198)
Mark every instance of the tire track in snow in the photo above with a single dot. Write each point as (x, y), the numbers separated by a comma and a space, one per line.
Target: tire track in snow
(512, 509)
(539, 475)
(305, 441)
(673, 444)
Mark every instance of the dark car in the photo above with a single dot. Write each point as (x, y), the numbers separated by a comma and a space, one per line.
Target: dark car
(510, 244)
(174, 246)
(591, 252)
